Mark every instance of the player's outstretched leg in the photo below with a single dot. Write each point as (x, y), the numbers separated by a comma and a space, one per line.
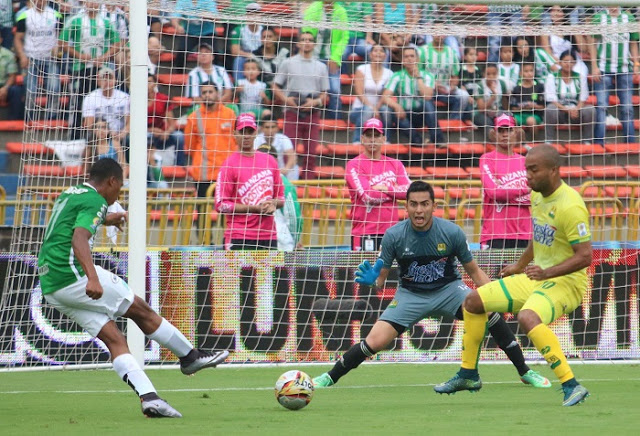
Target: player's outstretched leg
(506, 340)
(200, 359)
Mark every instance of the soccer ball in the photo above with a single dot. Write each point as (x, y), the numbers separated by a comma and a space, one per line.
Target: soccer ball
(294, 390)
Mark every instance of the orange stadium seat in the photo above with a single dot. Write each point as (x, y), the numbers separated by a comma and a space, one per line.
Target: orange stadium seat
(458, 193)
(53, 170)
(286, 32)
(344, 149)
(346, 79)
(606, 171)
(474, 172)
(330, 172)
(591, 191)
(622, 191)
(174, 172)
(416, 172)
(439, 212)
(337, 191)
(29, 149)
(337, 125)
(429, 150)
(173, 79)
(447, 172)
(167, 57)
(523, 150)
(470, 9)
(633, 171)
(630, 148)
(455, 126)
(182, 101)
(467, 148)
(276, 8)
(573, 171)
(348, 99)
(11, 126)
(395, 149)
(584, 149)
(309, 192)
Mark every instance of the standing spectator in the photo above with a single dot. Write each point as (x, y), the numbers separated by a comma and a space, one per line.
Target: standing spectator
(506, 220)
(109, 104)
(208, 137)
(249, 191)
(527, 98)
(503, 15)
(206, 72)
(508, 70)
(376, 182)
(400, 16)
(162, 132)
(9, 92)
(36, 38)
(360, 42)
(368, 84)
(192, 30)
(331, 43)
(470, 75)
(102, 145)
(556, 43)
(91, 41)
(6, 23)
(244, 40)
(271, 141)
(491, 98)
(614, 56)
(251, 91)
(301, 83)
(414, 108)
(270, 55)
(566, 93)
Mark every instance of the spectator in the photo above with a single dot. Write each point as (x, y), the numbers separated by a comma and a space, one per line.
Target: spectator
(376, 182)
(10, 93)
(503, 15)
(301, 83)
(270, 55)
(527, 98)
(508, 70)
(91, 41)
(470, 75)
(413, 108)
(102, 145)
(556, 43)
(544, 62)
(244, 40)
(360, 43)
(614, 56)
(442, 62)
(6, 23)
(110, 104)
(206, 72)
(368, 83)
(249, 191)
(491, 98)
(162, 132)
(155, 49)
(36, 38)
(506, 220)
(289, 219)
(331, 43)
(566, 93)
(192, 30)
(208, 137)
(400, 16)
(271, 141)
(251, 91)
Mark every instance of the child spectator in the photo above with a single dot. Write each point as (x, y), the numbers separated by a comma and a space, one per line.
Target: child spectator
(491, 98)
(244, 40)
(527, 98)
(506, 219)
(251, 91)
(248, 192)
(375, 183)
(508, 70)
(271, 141)
(470, 75)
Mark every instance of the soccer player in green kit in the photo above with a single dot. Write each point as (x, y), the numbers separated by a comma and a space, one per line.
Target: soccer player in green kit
(94, 297)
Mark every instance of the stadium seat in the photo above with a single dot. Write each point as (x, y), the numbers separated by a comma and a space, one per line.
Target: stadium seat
(482, 56)
(19, 80)
(42, 101)
(173, 79)
(606, 171)
(174, 172)
(447, 172)
(182, 101)
(47, 124)
(474, 172)
(470, 9)
(346, 79)
(30, 149)
(461, 193)
(591, 191)
(573, 172)
(348, 99)
(337, 191)
(523, 149)
(286, 32)
(439, 212)
(330, 172)
(52, 170)
(455, 126)
(622, 191)
(337, 125)
(416, 172)
(355, 58)
(157, 215)
(472, 148)
(584, 149)
(309, 192)
(395, 149)
(630, 148)
(633, 171)
(11, 126)
(429, 150)
(320, 150)
(167, 57)
(344, 149)
(276, 8)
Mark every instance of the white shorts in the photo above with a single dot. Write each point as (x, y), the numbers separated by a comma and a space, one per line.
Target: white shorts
(92, 314)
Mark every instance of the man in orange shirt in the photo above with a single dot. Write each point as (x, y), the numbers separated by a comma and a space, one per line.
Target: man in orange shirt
(212, 124)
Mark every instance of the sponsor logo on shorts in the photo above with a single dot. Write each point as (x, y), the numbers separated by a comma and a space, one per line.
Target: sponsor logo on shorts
(393, 304)
(43, 270)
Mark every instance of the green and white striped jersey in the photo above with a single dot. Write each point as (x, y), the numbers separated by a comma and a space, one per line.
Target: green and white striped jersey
(510, 74)
(441, 63)
(544, 62)
(567, 94)
(405, 88)
(92, 36)
(613, 48)
(485, 92)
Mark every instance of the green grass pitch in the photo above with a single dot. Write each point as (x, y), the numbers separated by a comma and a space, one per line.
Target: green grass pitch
(374, 399)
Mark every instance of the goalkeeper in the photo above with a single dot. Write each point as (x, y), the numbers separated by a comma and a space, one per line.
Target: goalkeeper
(426, 248)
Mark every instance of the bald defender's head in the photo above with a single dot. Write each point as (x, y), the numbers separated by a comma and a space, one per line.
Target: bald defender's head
(543, 169)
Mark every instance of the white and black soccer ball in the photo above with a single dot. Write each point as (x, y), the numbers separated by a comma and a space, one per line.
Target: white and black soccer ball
(294, 389)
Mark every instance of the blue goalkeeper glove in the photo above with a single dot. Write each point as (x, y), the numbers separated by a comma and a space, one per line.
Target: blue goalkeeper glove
(367, 274)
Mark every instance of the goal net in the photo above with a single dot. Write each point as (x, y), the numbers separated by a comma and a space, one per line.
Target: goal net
(460, 94)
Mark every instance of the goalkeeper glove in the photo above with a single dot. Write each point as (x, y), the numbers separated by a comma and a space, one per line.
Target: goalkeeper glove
(367, 274)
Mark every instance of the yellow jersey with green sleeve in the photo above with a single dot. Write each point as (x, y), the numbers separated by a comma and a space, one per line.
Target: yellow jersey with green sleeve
(560, 221)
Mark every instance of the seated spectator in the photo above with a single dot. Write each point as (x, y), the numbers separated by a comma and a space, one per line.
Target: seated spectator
(270, 55)
(376, 183)
(110, 104)
(429, 14)
(491, 98)
(155, 49)
(271, 141)
(503, 15)
(208, 138)
(207, 72)
(413, 108)
(527, 98)
(442, 62)
(360, 43)
(400, 16)
(244, 40)
(192, 30)
(544, 62)
(368, 83)
(508, 70)
(36, 39)
(162, 132)
(470, 75)
(10, 93)
(301, 84)
(102, 145)
(249, 191)
(506, 219)
(330, 46)
(556, 43)
(566, 93)
(252, 93)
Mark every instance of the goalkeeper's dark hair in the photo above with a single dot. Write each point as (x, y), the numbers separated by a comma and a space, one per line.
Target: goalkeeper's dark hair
(420, 186)
(104, 169)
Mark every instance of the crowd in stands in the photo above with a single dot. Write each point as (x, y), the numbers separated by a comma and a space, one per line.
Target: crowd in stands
(407, 82)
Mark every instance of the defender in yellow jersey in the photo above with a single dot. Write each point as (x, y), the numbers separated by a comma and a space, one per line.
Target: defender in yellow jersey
(540, 293)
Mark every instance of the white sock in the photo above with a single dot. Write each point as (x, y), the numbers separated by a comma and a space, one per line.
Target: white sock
(130, 372)
(170, 337)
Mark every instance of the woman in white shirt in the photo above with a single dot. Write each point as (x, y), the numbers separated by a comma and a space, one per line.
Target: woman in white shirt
(368, 84)
(566, 93)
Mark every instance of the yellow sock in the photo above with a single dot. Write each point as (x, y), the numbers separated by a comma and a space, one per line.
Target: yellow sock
(548, 345)
(475, 328)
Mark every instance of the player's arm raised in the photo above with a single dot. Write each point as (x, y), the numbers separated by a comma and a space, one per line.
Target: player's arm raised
(82, 252)
(478, 276)
(582, 255)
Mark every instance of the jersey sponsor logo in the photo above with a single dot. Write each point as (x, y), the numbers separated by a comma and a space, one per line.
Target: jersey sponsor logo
(582, 230)
(543, 234)
(43, 270)
(442, 247)
(428, 273)
(76, 190)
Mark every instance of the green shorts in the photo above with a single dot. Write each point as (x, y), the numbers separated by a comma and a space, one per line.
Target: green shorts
(521, 117)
